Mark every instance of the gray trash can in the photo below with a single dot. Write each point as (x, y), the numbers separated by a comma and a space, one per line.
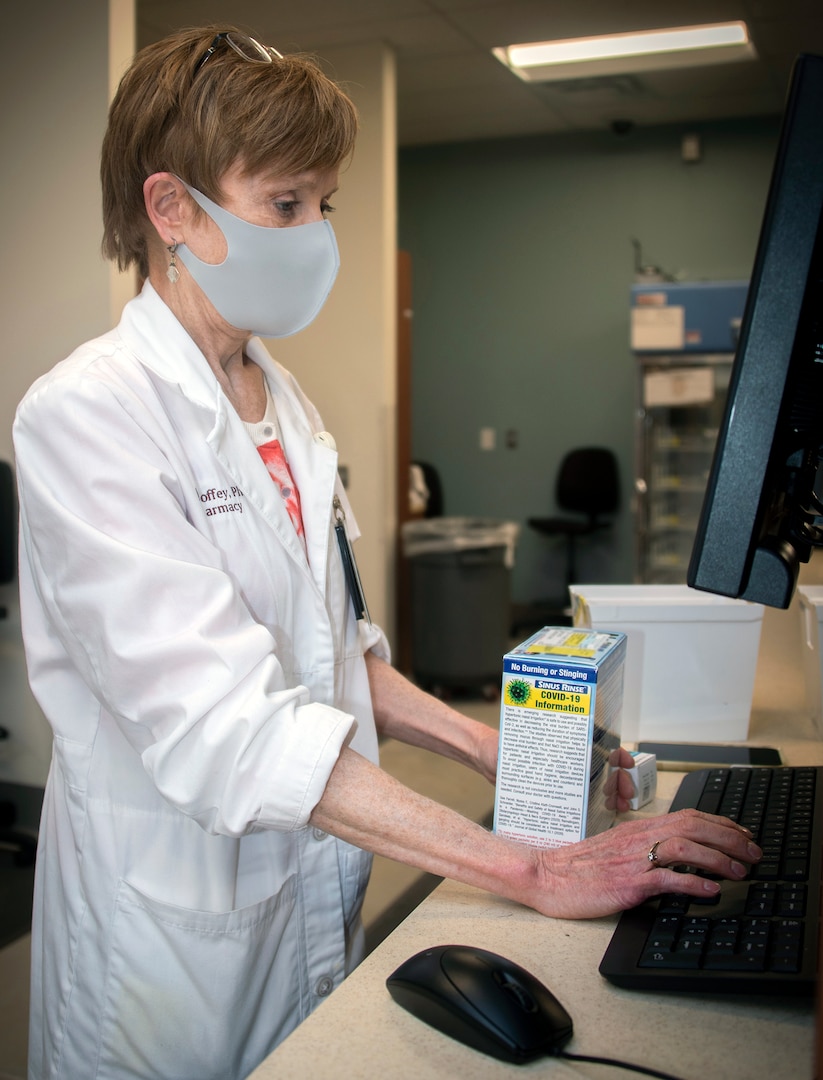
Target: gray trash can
(460, 570)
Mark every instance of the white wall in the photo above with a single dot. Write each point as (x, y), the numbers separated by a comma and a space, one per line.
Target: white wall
(346, 360)
(54, 89)
(57, 290)
(55, 284)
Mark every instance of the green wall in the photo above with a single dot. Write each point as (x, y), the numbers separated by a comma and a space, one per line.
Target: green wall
(522, 262)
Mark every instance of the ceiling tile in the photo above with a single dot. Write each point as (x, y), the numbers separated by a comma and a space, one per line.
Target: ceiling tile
(450, 88)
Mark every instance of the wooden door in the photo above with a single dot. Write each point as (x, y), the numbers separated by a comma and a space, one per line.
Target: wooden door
(402, 659)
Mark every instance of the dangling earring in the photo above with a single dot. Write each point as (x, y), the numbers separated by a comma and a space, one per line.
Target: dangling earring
(173, 274)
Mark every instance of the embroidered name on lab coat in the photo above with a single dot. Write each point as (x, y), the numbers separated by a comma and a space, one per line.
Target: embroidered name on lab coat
(222, 501)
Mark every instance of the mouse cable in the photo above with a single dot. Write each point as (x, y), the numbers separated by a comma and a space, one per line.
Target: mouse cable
(619, 1064)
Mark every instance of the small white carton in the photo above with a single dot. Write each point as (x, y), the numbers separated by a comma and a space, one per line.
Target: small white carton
(690, 658)
(559, 731)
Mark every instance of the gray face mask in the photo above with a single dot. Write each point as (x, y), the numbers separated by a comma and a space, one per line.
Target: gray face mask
(273, 282)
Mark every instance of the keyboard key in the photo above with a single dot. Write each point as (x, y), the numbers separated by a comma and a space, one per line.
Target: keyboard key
(785, 965)
(688, 947)
(674, 903)
(766, 870)
(716, 954)
(736, 962)
(684, 961)
(795, 869)
(705, 901)
(764, 905)
(709, 803)
(791, 900)
(789, 928)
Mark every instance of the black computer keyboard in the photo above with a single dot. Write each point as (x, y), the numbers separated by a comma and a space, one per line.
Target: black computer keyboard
(760, 936)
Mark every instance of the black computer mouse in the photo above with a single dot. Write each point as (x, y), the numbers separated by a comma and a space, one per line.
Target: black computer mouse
(482, 999)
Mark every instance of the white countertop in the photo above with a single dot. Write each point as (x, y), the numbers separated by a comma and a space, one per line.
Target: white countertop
(361, 1032)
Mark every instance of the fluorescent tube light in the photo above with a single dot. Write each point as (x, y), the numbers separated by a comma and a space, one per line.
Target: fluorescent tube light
(620, 54)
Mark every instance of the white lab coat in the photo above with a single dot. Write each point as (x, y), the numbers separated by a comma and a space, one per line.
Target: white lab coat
(201, 677)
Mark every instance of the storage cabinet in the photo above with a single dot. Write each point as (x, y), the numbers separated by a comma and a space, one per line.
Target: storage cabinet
(680, 401)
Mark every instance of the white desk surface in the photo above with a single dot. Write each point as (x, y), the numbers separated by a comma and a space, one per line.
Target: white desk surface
(361, 1032)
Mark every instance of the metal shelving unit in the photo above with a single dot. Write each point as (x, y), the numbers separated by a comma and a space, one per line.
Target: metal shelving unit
(680, 401)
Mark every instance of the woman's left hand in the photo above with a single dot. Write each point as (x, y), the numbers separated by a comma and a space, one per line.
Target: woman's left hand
(619, 788)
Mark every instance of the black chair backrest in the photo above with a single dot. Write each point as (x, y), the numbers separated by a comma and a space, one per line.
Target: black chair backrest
(8, 524)
(588, 482)
(434, 507)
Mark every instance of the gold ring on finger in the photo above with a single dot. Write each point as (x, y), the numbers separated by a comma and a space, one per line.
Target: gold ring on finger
(653, 857)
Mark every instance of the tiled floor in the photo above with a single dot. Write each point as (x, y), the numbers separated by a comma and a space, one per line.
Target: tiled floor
(393, 887)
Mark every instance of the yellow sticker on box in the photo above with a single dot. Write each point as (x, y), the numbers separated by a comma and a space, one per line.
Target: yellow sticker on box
(557, 698)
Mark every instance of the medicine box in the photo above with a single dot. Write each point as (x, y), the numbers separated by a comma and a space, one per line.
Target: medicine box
(690, 658)
(643, 775)
(559, 730)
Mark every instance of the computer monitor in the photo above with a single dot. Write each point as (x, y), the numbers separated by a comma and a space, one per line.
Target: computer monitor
(762, 515)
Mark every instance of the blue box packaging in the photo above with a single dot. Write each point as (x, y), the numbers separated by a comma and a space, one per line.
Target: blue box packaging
(687, 317)
(560, 713)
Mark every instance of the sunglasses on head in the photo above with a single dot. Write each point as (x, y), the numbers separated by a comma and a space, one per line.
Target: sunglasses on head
(246, 47)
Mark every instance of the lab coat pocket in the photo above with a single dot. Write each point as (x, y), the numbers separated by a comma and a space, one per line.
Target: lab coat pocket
(355, 868)
(197, 994)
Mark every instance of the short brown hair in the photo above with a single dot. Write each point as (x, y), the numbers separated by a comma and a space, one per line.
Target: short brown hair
(168, 116)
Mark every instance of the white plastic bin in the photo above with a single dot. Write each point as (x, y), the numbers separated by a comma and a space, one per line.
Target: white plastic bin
(690, 660)
(811, 607)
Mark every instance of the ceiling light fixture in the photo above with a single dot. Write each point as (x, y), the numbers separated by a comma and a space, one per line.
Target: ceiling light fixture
(620, 54)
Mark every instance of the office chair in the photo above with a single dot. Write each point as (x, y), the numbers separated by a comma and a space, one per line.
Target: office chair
(434, 507)
(588, 484)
